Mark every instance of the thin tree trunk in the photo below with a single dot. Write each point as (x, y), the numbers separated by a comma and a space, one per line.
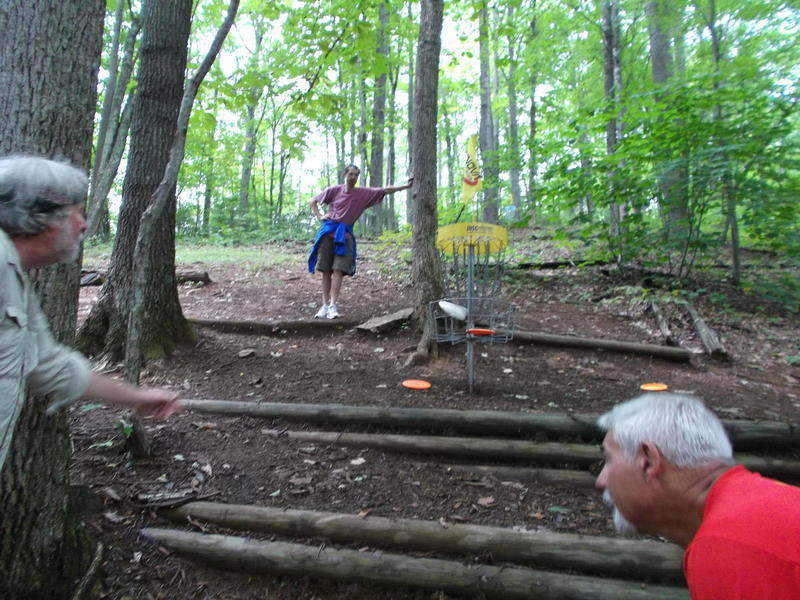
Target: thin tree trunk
(109, 151)
(379, 122)
(513, 125)
(410, 134)
(491, 207)
(426, 270)
(672, 178)
(253, 96)
(613, 91)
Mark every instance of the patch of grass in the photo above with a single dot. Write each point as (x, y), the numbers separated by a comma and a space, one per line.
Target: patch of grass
(242, 255)
(257, 256)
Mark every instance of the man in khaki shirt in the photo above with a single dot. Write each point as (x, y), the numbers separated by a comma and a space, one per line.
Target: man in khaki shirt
(42, 223)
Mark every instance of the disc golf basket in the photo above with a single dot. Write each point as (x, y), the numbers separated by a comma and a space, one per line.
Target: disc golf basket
(473, 258)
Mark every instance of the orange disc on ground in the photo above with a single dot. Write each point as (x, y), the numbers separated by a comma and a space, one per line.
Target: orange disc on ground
(416, 384)
(654, 387)
(479, 331)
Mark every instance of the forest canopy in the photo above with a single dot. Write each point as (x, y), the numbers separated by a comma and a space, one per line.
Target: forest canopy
(629, 125)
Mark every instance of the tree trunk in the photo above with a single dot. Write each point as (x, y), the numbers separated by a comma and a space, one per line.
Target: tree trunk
(144, 257)
(390, 219)
(617, 557)
(426, 270)
(160, 88)
(379, 122)
(533, 165)
(410, 134)
(253, 96)
(49, 61)
(613, 95)
(506, 583)
(672, 178)
(513, 125)
(113, 128)
(491, 208)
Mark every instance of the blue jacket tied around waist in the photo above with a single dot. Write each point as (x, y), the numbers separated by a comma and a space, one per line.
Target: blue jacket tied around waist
(340, 231)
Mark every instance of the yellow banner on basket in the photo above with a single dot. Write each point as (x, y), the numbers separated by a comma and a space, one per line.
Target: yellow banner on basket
(483, 237)
(471, 183)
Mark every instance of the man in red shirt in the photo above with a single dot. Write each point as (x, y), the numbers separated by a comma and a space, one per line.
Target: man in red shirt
(669, 471)
(334, 250)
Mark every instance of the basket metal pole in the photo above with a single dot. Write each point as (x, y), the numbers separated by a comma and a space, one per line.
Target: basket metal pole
(470, 317)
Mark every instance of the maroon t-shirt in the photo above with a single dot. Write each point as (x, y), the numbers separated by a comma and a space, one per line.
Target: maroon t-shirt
(346, 206)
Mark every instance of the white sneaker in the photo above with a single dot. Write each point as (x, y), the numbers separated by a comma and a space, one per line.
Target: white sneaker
(322, 313)
(333, 313)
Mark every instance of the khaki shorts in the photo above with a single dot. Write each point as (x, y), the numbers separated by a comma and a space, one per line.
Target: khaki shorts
(328, 261)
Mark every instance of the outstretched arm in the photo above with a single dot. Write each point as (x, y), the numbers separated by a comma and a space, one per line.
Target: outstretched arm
(397, 188)
(148, 402)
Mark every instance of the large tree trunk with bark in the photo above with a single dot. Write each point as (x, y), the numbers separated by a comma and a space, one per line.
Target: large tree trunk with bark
(166, 28)
(426, 269)
(47, 98)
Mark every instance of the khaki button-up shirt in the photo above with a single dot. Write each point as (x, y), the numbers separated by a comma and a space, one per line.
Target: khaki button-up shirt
(29, 356)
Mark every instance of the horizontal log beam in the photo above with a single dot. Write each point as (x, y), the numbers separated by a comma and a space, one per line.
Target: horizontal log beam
(520, 450)
(502, 583)
(274, 327)
(743, 434)
(550, 339)
(638, 559)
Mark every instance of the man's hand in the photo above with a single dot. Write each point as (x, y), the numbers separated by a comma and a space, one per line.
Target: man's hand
(410, 181)
(157, 403)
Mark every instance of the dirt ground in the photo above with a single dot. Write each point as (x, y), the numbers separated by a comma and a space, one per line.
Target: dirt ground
(243, 463)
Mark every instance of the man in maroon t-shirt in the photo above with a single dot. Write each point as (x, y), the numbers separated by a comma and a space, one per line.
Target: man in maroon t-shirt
(334, 250)
(669, 471)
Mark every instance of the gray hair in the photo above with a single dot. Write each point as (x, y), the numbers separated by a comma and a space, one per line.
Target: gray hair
(686, 432)
(33, 189)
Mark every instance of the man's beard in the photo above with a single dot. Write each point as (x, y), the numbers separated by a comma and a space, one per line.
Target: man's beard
(621, 524)
(68, 248)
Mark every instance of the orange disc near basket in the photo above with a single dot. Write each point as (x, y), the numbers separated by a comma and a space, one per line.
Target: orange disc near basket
(480, 331)
(416, 384)
(654, 387)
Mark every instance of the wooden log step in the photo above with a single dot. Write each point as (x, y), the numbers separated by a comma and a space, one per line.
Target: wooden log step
(638, 559)
(274, 327)
(517, 450)
(502, 583)
(550, 339)
(743, 434)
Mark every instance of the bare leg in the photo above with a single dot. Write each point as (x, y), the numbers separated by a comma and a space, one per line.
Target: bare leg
(326, 287)
(335, 285)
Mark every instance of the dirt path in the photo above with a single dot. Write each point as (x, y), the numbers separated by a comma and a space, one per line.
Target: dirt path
(240, 462)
